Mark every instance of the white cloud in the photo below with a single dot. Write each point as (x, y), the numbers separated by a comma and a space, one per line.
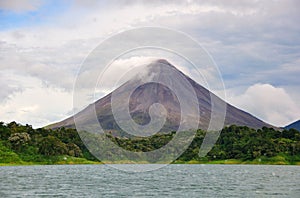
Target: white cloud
(8, 87)
(272, 104)
(53, 67)
(36, 104)
(20, 6)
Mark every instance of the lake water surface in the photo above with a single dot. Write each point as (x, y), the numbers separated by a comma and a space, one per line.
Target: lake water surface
(169, 181)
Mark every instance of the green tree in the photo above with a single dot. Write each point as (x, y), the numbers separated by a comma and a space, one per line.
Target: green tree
(19, 140)
(52, 146)
(74, 150)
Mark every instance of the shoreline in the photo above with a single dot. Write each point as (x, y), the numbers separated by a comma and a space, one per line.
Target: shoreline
(193, 162)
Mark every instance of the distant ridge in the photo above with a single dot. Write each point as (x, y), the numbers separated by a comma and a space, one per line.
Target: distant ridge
(294, 125)
(147, 94)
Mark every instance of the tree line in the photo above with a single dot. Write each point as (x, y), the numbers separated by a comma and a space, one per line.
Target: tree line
(235, 142)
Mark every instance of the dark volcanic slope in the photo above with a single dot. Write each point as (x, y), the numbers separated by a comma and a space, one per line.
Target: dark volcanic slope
(294, 125)
(148, 93)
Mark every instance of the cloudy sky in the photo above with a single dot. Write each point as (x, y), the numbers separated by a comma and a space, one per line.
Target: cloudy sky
(256, 45)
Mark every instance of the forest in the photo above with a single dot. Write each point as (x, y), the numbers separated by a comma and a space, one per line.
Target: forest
(21, 144)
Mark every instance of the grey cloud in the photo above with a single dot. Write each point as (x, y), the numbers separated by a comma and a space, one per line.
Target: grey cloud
(258, 40)
(247, 46)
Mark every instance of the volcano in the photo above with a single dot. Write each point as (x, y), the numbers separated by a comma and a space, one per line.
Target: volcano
(144, 91)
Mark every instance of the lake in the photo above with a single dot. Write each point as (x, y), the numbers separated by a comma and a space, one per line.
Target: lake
(169, 181)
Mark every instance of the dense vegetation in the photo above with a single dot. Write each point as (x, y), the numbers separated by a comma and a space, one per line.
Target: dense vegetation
(22, 144)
